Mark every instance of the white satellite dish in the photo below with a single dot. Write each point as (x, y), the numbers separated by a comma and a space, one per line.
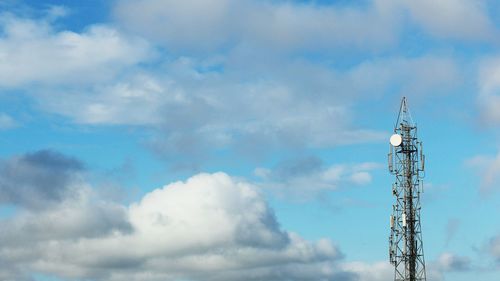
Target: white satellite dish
(396, 140)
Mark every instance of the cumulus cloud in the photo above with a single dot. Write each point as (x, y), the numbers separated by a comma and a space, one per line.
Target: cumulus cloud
(210, 227)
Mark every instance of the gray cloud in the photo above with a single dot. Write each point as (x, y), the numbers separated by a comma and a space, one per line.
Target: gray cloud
(55, 182)
(36, 179)
(54, 206)
(63, 221)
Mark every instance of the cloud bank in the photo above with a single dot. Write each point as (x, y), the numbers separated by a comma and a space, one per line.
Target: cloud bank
(210, 227)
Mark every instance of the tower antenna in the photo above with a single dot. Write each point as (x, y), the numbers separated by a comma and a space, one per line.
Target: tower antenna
(406, 163)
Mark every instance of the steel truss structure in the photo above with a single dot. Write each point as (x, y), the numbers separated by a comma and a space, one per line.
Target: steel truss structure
(406, 163)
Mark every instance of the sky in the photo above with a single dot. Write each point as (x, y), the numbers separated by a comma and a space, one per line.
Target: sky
(243, 140)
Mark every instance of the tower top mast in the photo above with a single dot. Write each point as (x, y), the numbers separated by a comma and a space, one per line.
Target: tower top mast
(404, 115)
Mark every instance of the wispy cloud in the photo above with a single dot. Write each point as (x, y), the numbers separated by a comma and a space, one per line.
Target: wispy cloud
(306, 177)
(7, 122)
(487, 167)
(452, 228)
(452, 262)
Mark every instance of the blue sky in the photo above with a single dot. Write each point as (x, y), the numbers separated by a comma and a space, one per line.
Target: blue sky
(243, 140)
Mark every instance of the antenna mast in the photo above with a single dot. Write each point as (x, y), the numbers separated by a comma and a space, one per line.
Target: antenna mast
(406, 163)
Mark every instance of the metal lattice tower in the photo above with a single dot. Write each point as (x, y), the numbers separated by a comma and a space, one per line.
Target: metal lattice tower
(406, 163)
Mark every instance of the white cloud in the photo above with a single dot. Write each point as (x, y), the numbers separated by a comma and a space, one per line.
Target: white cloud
(202, 202)
(32, 51)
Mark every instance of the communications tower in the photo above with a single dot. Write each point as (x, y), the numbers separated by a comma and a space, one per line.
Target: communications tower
(406, 163)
